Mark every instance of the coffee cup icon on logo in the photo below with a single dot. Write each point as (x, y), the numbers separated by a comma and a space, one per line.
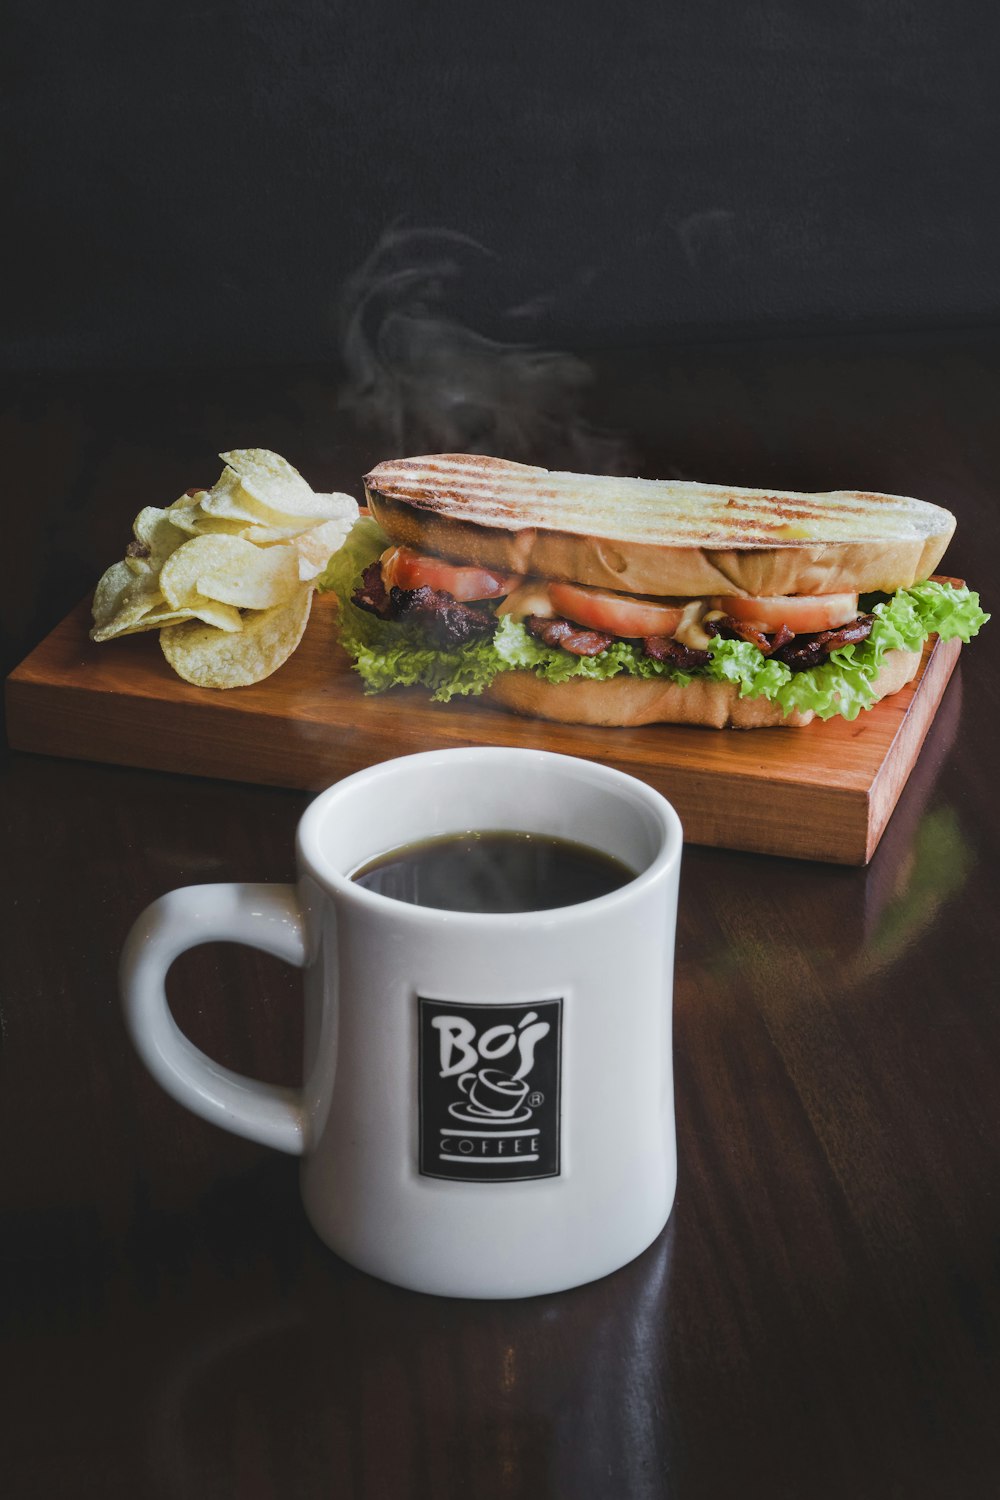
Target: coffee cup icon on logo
(493, 1092)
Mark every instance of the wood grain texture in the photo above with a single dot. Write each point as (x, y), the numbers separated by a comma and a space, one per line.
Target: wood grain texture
(823, 792)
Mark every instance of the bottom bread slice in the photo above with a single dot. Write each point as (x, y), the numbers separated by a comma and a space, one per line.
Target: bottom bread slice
(624, 701)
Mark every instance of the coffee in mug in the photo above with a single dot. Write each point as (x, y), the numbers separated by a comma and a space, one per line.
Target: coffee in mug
(487, 1103)
(494, 871)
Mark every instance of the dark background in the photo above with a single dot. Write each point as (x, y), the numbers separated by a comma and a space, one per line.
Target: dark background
(212, 182)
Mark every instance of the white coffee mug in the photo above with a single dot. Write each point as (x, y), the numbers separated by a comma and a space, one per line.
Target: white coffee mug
(481, 1189)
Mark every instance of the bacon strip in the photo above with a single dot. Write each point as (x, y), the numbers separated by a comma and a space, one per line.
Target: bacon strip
(810, 650)
(445, 620)
(741, 630)
(372, 595)
(570, 637)
(664, 648)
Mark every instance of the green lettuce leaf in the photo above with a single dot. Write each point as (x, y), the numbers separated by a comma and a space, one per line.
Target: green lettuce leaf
(390, 654)
(364, 542)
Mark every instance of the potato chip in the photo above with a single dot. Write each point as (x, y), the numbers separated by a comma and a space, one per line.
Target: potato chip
(211, 659)
(343, 507)
(273, 482)
(197, 522)
(121, 600)
(230, 501)
(156, 536)
(265, 536)
(268, 483)
(157, 617)
(332, 507)
(187, 514)
(260, 496)
(316, 545)
(213, 612)
(230, 570)
(126, 603)
(339, 507)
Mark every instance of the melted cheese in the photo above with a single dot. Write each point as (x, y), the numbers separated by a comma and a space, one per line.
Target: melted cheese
(529, 598)
(690, 631)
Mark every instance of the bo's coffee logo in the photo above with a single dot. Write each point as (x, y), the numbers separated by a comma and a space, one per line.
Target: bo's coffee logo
(489, 1090)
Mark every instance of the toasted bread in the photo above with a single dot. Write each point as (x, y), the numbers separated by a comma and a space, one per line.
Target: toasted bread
(656, 536)
(629, 701)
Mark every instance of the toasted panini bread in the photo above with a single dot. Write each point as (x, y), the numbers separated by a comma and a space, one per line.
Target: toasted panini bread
(625, 701)
(656, 536)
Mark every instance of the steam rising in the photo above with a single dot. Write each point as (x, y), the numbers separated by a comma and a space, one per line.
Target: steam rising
(421, 381)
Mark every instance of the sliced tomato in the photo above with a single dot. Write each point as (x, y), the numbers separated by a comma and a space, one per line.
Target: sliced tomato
(618, 614)
(406, 569)
(802, 613)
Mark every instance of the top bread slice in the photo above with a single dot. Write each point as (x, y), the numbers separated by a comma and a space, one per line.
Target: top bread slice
(665, 537)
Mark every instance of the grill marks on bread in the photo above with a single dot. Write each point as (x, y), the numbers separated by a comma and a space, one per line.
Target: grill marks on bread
(658, 537)
(495, 492)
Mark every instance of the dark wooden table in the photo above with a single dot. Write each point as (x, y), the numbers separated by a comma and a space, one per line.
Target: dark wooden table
(820, 1318)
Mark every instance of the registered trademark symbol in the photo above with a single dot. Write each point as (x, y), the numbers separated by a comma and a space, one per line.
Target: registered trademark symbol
(536, 1099)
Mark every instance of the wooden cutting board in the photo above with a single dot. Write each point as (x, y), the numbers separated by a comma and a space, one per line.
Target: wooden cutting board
(824, 792)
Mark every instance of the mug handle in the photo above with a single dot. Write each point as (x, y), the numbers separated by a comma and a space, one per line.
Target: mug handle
(268, 917)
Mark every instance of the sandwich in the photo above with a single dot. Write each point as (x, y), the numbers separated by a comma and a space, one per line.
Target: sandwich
(609, 601)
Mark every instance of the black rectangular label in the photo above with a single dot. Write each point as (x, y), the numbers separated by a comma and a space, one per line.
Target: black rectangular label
(489, 1090)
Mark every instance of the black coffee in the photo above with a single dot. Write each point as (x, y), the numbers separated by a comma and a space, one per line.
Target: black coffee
(494, 872)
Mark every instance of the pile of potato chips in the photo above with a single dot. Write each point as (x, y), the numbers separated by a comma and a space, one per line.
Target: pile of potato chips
(226, 575)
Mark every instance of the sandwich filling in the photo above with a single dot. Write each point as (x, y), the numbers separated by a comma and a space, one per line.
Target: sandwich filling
(409, 618)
